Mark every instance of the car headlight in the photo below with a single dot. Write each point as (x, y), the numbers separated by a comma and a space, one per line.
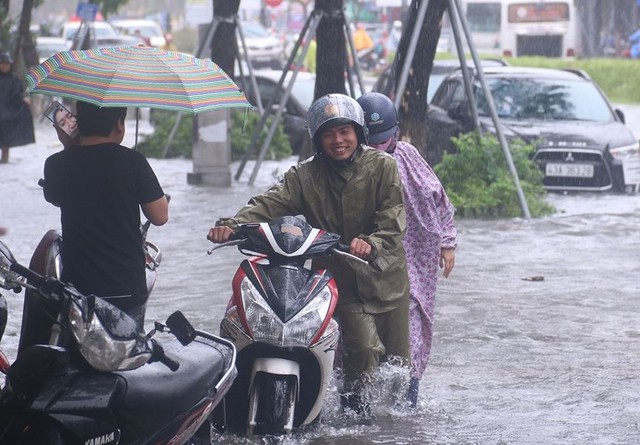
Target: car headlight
(625, 151)
(266, 326)
(99, 348)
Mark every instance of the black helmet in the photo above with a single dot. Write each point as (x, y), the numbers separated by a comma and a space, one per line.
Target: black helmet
(332, 110)
(5, 58)
(381, 116)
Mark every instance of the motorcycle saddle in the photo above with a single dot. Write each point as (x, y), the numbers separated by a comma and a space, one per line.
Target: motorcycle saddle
(155, 387)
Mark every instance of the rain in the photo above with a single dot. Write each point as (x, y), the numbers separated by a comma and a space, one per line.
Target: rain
(516, 359)
(536, 330)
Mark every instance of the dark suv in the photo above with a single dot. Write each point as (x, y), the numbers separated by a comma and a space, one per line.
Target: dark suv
(581, 140)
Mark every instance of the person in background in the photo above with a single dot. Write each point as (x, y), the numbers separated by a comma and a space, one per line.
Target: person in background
(393, 40)
(310, 58)
(143, 38)
(168, 43)
(430, 240)
(634, 45)
(16, 121)
(100, 187)
(352, 190)
(361, 39)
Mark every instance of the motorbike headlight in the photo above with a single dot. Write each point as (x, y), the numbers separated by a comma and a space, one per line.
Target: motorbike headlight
(267, 326)
(304, 326)
(625, 151)
(100, 349)
(263, 322)
(8, 278)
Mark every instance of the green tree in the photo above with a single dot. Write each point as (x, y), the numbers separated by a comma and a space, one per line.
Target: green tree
(479, 183)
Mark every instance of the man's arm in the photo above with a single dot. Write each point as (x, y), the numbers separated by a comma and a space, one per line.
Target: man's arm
(157, 211)
(389, 222)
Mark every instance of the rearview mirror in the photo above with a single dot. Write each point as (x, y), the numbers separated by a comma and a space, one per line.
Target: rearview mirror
(181, 328)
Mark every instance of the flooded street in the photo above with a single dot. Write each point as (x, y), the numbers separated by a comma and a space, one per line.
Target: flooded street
(514, 361)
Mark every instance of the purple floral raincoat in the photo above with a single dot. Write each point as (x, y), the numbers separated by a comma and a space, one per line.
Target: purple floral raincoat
(430, 228)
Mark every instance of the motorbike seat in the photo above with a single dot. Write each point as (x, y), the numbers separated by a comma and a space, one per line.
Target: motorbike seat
(155, 387)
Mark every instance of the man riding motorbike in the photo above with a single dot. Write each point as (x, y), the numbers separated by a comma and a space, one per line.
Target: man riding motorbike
(355, 191)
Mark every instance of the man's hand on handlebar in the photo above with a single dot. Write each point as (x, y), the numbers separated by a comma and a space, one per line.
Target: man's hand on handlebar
(360, 248)
(220, 234)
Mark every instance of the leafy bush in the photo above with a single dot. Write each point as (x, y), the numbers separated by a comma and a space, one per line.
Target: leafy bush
(163, 122)
(242, 125)
(479, 184)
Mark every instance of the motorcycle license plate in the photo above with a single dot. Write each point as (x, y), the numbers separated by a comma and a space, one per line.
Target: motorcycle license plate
(570, 170)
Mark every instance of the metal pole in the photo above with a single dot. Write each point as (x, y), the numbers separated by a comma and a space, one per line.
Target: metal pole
(315, 16)
(455, 26)
(411, 51)
(354, 55)
(283, 100)
(205, 43)
(492, 109)
(247, 59)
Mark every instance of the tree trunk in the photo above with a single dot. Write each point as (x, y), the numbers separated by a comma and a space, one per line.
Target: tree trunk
(26, 55)
(413, 107)
(331, 55)
(224, 46)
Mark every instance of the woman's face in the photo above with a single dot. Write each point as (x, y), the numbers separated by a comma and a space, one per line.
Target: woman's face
(66, 121)
(5, 67)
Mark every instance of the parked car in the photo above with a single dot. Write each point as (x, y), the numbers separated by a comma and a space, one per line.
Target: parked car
(48, 46)
(581, 140)
(441, 69)
(148, 29)
(299, 101)
(265, 49)
(119, 40)
(98, 29)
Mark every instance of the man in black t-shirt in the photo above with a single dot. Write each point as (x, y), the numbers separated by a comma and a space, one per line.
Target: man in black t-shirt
(100, 187)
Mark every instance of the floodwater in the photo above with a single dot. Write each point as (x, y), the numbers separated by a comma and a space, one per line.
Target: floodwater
(514, 361)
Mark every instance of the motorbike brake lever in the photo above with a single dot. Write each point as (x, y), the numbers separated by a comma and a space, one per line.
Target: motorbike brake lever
(225, 244)
(348, 255)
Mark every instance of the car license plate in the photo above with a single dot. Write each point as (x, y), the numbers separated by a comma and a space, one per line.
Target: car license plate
(570, 170)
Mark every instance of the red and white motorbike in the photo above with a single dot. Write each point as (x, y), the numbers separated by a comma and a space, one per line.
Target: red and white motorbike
(280, 319)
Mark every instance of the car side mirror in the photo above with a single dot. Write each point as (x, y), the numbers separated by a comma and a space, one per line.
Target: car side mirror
(459, 111)
(620, 115)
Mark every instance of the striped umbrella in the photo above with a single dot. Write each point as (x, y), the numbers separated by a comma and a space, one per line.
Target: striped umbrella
(136, 76)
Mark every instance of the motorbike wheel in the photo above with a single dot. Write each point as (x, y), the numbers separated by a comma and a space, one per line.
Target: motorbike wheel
(275, 404)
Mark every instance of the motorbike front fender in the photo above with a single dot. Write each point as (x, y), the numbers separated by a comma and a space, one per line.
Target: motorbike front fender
(273, 365)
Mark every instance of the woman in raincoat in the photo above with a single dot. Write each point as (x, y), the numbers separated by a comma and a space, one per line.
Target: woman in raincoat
(352, 190)
(16, 121)
(430, 239)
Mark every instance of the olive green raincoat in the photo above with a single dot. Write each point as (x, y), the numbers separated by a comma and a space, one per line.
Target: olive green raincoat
(363, 199)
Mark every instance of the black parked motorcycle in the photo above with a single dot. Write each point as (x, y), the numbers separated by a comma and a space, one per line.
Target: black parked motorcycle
(100, 380)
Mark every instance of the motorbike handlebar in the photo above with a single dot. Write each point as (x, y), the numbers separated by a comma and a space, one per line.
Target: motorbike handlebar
(343, 250)
(158, 355)
(32, 277)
